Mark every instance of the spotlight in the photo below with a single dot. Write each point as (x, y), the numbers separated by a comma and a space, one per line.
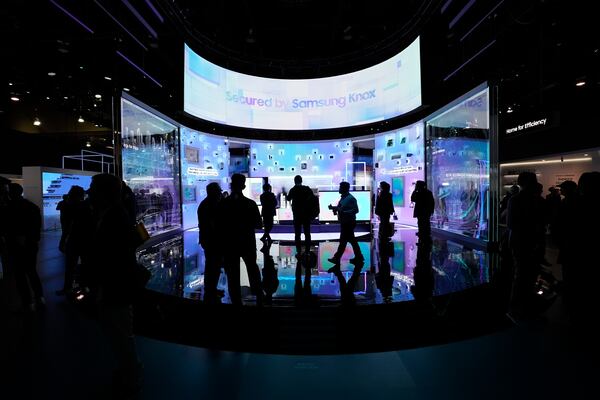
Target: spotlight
(10, 83)
(98, 96)
(580, 83)
(108, 78)
(126, 89)
(51, 73)
(37, 121)
(88, 144)
(80, 119)
(15, 98)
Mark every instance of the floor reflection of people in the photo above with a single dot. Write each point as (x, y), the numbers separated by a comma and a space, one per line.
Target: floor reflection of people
(270, 281)
(383, 278)
(347, 287)
(302, 288)
(238, 218)
(422, 290)
(213, 256)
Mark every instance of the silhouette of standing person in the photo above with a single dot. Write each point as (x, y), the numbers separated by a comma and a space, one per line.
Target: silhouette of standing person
(62, 208)
(113, 261)
(269, 205)
(3, 223)
(300, 197)
(424, 206)
(346, 211)
(384, 208)
(238, 220)
(23, 236)
(586, 272)
(525, 219)
(70, 209)
(209, 240)
(566, 232)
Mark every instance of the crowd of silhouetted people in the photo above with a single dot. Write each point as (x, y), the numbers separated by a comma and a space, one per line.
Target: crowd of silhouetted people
(571, 214)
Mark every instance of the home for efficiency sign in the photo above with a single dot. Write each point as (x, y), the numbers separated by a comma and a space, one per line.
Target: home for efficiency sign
(531, 124)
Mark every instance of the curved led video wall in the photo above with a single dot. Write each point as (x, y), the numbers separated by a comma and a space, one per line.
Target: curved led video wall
(383, 91)
(458, 165)
(150, 157)
(399, 159)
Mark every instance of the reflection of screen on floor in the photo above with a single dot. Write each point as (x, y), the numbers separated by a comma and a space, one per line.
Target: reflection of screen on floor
(328, 249)
(398, 263)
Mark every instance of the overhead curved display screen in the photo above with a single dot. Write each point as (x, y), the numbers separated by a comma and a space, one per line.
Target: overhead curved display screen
(380, 92)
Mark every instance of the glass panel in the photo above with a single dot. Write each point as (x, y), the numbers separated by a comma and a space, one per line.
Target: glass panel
(458, 173)
(151, 167)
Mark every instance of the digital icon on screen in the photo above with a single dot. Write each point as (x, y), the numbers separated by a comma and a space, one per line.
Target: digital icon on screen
(259, 163)
(315, 151)
(303, 165)
(270, 156)
(395, 156)
(390, 142)
(332, 156)
(275, 163)
(281, 152)
(403, 140)
(321, 157)
(298, 157)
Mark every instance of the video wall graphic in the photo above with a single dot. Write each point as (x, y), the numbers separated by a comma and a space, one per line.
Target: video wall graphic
(458, 168)
(204, 159)
(386, 90)
(399, 160)
(55, 186)
(150, 154)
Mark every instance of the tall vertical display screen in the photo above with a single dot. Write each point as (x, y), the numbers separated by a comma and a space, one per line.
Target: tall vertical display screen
(458, 165)
(399, 159)
(150, 154)
(204, 159)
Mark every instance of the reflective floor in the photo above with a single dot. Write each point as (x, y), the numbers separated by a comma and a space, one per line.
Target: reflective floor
(389, 273)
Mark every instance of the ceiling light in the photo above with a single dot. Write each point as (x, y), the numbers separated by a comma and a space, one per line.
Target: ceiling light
(96, 125)
(95, 105)
(126, 89)
(98, 96)
(80, 120)
(88, 144)
(66, 97)
(10, 84)
(51, 73)
(108, 78)
(580, 83)
(47, 97)
(15, 98)
(37, 121)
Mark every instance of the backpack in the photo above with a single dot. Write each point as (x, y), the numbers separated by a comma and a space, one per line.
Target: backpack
(313, 206)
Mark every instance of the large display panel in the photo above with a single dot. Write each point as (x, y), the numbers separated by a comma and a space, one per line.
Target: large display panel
(204, 159)
(322, 165)
(383, 91)
(150, 154)
(54, 186)
(363, 198)
(458, 170)
(399, 160)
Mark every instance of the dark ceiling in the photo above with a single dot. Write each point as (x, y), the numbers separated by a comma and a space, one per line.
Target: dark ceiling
(62, 53)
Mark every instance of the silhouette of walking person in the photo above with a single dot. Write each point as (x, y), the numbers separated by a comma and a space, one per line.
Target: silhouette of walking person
(424, 207)
(300, 196)
(209, 240)
(346, 211)
(384, 208)
(238, 218)
(269, 205)
(22, 240)
(347, 287)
